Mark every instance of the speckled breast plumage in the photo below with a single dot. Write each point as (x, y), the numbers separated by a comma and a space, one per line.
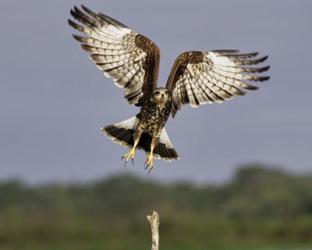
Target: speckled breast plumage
(153, 117)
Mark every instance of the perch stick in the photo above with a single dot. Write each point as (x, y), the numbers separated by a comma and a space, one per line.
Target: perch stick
(154, 221)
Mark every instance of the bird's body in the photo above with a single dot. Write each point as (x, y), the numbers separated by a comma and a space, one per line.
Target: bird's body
(147, 130)
(155, 113)
(132, 61)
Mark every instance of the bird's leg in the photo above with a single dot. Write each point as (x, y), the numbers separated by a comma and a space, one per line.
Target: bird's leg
(149, 163)
(130, 155)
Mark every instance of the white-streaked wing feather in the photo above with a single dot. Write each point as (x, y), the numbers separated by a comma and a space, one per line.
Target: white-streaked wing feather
(199, 77)
(121, 53)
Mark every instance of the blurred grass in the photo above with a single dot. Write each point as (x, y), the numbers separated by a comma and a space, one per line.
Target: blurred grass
(259, 209)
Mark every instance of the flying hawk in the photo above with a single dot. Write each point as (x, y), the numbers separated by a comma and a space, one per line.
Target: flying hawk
(132, 61)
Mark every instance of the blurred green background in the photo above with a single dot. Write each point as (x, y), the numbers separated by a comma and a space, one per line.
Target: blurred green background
(259, 208)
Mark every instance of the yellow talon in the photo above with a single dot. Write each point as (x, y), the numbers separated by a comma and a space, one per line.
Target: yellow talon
(129, 156)
(149, 163)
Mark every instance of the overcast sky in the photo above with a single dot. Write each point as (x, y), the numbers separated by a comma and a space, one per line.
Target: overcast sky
(53, 100)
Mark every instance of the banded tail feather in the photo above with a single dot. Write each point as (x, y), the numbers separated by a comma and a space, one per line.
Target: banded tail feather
(122, 133)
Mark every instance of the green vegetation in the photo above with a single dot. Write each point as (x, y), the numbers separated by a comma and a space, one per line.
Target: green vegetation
(256, 209)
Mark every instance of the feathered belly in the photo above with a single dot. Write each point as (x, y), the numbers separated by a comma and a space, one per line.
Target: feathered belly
(152, 120)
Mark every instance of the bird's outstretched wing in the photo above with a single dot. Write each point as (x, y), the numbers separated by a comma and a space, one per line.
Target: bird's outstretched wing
(129, 58)
(200, 77)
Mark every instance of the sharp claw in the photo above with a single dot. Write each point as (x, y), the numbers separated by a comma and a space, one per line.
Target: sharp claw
(148, 167)
(126, 161)
(145, 166)
(127, 157)
(125, 164)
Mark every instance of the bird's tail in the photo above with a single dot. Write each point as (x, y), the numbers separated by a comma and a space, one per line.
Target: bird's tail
(122, 133)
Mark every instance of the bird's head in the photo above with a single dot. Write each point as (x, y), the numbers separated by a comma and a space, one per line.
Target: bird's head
(161, 95)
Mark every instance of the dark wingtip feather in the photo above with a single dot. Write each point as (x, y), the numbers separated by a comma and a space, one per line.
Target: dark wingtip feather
(248, 55)
(240, 92)
(76, 13)
(263, 69)
(262, 59)
(266, 78)
(78, 38)
(265, 57)
(241, 55)
(226, 51)
(86, 47)
(76, 8)
(253, 53)
(251, 87)
(255, 69)
(72, 23)
(251, 61)
(86, 9)
(263, 78)
(90, 12)
(73, 11)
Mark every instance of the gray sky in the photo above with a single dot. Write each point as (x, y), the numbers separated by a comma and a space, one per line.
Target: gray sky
(53, 100)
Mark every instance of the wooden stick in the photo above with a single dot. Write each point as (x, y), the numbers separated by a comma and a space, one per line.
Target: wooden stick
(154, 221)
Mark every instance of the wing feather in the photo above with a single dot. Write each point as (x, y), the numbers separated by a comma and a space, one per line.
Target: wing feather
(199, 77)
(124, 55)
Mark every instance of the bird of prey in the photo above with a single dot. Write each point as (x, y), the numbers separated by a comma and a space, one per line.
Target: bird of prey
(132, 61)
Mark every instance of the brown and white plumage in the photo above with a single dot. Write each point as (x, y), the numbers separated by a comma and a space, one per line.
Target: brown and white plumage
(200, 77)
(124, 55)
(132, 61)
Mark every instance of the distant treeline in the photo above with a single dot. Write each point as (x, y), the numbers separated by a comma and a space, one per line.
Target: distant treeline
(257, 207)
